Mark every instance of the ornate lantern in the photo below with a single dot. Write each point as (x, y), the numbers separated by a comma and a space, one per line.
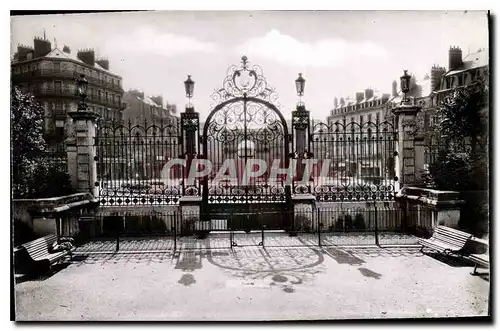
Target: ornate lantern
(299, 85)
(405, 82)
(189, 86)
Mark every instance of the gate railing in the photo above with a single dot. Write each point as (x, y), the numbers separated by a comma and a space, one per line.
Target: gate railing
(131, 160)
(354, 161)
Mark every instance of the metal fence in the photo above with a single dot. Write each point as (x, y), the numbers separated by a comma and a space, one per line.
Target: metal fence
(130, 160)
(335, 226)
(356, 161)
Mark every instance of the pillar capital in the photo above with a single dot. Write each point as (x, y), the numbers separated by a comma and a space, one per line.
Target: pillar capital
(83, 115)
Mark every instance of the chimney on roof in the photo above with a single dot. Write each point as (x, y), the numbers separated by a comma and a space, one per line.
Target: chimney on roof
(342, 102)
(359, 96)
(22, 52)
(335, 102)
(66, 49)
(87, 56)
(394, 88)
(368, 93)
(454, 58)
(42, 47)
(437, 73)
(103, 63)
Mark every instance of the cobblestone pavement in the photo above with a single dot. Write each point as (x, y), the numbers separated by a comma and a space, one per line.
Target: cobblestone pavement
(253, 283)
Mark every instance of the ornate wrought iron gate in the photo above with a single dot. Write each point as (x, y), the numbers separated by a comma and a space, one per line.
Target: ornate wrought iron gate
(245, 124)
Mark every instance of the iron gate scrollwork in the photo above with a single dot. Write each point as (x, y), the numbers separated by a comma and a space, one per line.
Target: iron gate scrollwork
(245, 124)
(130, 161)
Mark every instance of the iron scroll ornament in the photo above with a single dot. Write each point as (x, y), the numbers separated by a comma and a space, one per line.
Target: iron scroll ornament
(244, 80)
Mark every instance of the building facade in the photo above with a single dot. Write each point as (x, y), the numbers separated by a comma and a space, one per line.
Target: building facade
(432, 91)
(50, 75)
(149, 136)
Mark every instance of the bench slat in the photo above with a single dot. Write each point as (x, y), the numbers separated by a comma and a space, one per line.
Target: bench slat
(446, 239)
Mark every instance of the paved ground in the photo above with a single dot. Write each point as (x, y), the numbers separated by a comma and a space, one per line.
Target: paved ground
(251, 283)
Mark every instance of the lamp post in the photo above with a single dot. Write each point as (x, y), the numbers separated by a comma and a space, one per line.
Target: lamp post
(189, 86)
(405, 86)
(82, 85)
(190, 127)
(407, 166)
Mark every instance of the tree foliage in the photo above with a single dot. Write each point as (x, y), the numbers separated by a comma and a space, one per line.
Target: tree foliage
(462, 162)
(33, 172)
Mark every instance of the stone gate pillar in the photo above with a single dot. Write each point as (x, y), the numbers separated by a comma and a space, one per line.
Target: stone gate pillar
(300, 143)
(190, 202)
(302, 200)
(406, 158)
(81, 150)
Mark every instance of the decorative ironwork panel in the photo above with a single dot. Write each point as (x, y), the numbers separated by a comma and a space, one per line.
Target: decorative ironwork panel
(131, 160)
(245, 80)
(244, 125)
(355, 161)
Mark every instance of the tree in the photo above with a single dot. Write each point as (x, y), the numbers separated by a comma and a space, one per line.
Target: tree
(34, 174)
(462, 163)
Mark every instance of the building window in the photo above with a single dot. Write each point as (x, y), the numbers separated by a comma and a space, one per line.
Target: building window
(25, 68)
(361, 119)
(17, 70)
(99, 95)
(59, 105)
(57, 85)
(378, 117)
(460, 80)
(369, 117)
(57, 67)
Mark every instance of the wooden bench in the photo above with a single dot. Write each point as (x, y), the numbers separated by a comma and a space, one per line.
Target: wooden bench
(446, 240)
(36, 254)
(480, 260)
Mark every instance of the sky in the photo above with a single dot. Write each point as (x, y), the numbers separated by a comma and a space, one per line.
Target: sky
(339, 53)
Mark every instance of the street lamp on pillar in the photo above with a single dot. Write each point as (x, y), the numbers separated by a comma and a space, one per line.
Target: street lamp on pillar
(405, 86)
(300, 83)
(82, 84)
(189, 86)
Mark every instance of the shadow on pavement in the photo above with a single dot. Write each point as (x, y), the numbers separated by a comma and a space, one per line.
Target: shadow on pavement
(21, 278)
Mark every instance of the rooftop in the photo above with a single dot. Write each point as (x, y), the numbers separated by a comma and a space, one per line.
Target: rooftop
(57, 53)
(473, 60)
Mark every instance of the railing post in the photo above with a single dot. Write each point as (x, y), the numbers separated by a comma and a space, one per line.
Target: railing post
(118, 234)
(263, 228)
(376, 224)
(174, 229)
(320, 225)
